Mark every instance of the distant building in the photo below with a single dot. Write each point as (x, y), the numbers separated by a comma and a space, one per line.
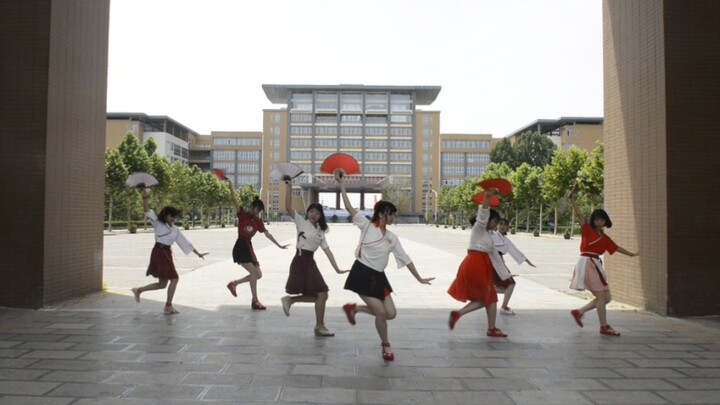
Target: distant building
(172, 137)
(566, 132)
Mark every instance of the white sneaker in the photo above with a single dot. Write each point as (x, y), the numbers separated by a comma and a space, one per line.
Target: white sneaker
(286, 302)
(506, 311)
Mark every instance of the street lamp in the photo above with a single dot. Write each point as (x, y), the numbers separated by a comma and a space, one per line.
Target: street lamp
(435, 204)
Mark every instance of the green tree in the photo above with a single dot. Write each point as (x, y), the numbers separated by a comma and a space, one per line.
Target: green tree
(150, 146)
(559, 176)
(500, 171)
(135, 159)
(115, 176)
(397, 191)
(503, 152)
(591, 178)
(523, 193)
(533, 149)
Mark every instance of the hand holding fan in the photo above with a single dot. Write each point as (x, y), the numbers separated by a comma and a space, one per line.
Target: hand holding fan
(480, 197)
(504, 186)
(346, 163)
(285, 172)
(141, 180)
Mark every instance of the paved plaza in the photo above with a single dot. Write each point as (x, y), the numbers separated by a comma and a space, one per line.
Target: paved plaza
(107, 349)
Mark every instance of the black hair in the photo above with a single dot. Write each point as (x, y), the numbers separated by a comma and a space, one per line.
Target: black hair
(382, 207)
(322, 222)
(493, 214)
(600, 213)
(258, 204)
(504, 221)
(168, 211)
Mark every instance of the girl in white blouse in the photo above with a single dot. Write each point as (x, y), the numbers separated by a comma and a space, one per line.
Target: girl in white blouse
(161, 265)
(305, 278)
(367, 276)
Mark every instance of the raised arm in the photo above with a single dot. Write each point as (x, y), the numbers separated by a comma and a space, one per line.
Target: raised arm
(233, 196)
(288, 200)
(346, 200)
(144, 194)
(488, 194)
(578, 211)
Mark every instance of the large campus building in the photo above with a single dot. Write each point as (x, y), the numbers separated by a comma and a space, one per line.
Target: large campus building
(397, 144)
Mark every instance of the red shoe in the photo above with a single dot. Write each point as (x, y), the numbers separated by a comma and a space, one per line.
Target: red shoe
(495, 332)
(387, 356)
(454, 317)
(350, 312)
(231, 287)
(256, 305)
(607, 330)
(577, 316)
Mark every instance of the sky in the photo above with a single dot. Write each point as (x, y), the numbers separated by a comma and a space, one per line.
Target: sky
(501, 63)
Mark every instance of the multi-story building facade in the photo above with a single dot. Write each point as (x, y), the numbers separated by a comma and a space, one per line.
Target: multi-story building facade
(172, 137)
(566, 132)
(239, 155)
(377, 125)
(462, 156)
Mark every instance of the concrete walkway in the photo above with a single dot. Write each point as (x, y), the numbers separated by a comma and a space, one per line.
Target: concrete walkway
(107, 349)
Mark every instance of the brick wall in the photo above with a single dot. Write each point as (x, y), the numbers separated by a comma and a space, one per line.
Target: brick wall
(662, 95)
(52, 134)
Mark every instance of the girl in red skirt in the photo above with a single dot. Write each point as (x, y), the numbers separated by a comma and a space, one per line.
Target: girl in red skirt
(367, 276)
(305, 278)
(249, 223)
(589, 272)
(161, 261)
(474, 280)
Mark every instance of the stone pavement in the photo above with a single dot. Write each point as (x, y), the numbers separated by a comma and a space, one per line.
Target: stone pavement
(106, 349)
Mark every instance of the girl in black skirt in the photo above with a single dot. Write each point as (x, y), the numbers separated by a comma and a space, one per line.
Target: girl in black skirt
(305, 278)
(161, 261)
(367, 276)
(249, 223)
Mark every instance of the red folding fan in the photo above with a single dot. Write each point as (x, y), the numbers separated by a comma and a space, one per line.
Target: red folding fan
(341, 161)
(504, 187)
(220, 173)
(480, 197)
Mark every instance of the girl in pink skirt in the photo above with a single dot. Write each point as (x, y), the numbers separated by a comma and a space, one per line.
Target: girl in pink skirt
(589, 273)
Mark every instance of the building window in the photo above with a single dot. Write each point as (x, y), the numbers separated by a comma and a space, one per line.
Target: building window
(300, 155)
(226, 167)
(475, 170)
(249, 141)
(323, 154)
(350, 131)
(275, 130)
(247, 180)
(248, 167)
(301, 102)
(400, 169)
(400, 119)
(223, 155)
(224, 141)
(400, 144)
(276, 156)
(426, 158)
(376, 131)
(427, 119)
(376, 144)
(426, 170)
(275, 117)
(376, 102)
(326, 130)
(452, 182)
(453, 170)
(350, 143)
(376, 168)
(401, 131)
(248, 155)
(478, 158)
(400, 156)
(351, 102)
(357, 155)
(376, 119)
(478, 144)
(326, 143)
(427, 132)
(326, 119)
(301, 118)
(300, 130)
(456, 157)
(375, 156)
(300, 143)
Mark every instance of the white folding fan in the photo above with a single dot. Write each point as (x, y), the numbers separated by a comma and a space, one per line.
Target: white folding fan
(285, 172)
(141, 180)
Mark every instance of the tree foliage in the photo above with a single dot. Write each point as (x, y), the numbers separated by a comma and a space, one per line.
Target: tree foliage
(530, 147)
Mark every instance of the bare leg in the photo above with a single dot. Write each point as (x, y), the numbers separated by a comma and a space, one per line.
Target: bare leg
(589, 306)
(320, 301)
(470, 307)
(491, 311)
(171, 291)
(377, 308)
(602, 298)
(507, 294)
(162, 283)
(252, 278)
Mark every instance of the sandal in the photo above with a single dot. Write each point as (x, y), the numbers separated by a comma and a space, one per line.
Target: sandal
(136, 293)
(495, 332)
(231, 286)
(387, 356)
(286, 303)
(256, 305)
(577, 316)
(323, 332)
(350, 310)
(170, 310)
(454, 317)
(607, 330)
